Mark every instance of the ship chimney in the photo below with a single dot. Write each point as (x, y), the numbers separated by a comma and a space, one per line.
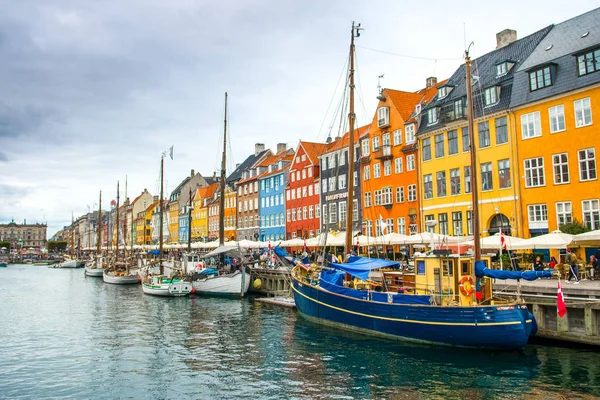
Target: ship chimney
(430, 82)
(281, 148)
(259, 148)
(505, 38)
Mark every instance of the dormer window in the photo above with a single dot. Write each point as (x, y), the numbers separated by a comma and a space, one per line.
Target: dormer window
(491, 95)
(459, 109)
(442, 92)
(383, 117)
(588, 62)
(270, 168)
(541, 78)
(418, 109)
(503, 68)
(432, 116)
(280, 165)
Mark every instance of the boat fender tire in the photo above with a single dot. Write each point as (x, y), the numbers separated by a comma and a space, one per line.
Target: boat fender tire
(467, 288)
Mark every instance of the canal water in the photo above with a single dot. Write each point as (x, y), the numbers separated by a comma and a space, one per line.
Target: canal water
(63, 335)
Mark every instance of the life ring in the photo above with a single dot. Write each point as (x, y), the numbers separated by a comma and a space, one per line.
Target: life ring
(467, 289)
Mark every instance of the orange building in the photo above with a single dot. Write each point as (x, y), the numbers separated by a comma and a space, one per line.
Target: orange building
(214, 207)
(389, 162)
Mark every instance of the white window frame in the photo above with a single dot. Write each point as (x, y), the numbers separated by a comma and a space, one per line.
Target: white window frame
(387, 167)
(402, 225)
(564, 213)
(530, 125)
(583, 111)
(397, 137)
(534, 172)
(412, 192)
(560, 167)
(556, 116)
(398, 168)
(365, 147)
(367, 200)
(400, 194)
(537, 215)
(377, 170)
(410, 162)
(591, 207)
(432, 116)
(409, 133)
(490, 96)
(383, 116)
(366, 172)
(587, 163)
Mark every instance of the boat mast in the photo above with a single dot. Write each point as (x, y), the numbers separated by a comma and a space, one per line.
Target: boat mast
(190, 224)
(118, 203)
(351, 121)
(72, 234)
(474, 186)
(99, 224)
(222, 198)
(160, 207)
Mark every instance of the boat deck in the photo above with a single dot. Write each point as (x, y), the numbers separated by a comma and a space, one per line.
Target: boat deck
(280, 301)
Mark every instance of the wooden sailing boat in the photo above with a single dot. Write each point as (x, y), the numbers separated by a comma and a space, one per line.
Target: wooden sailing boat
(422, 314)
(236, 283)
(172, 285)
(95, 267)
(118, 271)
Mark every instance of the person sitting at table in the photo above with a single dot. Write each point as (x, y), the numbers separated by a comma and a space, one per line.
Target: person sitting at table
(538, 265)
(553, 262)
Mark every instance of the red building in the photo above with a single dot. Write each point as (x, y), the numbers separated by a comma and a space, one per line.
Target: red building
(302, 195)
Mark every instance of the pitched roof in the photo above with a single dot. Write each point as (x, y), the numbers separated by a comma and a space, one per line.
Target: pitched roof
(313, 150)
(344, 140)
(288, 155)
(484, 68)
(236, 175)
(559, 47)
(404, 102)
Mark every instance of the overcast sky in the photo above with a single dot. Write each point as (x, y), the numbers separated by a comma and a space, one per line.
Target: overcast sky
(92, 91)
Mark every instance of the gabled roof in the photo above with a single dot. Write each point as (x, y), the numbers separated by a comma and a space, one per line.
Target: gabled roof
(288, 156)
(205, 192)
(404, 102)
(344, 140)
(312, 150)
(428, 94)
(560, 46)
(236, 175)
(484, 69)
(139, 197)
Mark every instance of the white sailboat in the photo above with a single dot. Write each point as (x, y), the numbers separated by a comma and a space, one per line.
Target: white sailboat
(234, 284)
(161, 284)
(95, 267)
(73, 262)
(118, 273)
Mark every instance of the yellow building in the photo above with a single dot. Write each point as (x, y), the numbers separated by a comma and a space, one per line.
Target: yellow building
(444, 164)
(200, 213)
(555, 104)
(173, 212)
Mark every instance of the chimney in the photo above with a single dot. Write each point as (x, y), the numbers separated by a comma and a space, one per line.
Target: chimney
(281, 147)
(505, 38)
(430, 82)
(192, 174)
(259, 148)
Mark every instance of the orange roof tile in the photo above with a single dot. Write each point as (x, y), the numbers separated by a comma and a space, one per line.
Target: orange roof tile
(343, 142)
(313, 150)
(404, 102)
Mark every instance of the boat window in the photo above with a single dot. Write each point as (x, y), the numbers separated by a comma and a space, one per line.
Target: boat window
(421, 267)
(464, 270)
(448, 268)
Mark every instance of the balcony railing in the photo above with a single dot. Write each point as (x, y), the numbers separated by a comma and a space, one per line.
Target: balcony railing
(384, 152)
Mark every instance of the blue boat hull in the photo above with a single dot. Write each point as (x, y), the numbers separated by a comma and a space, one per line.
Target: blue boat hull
(484, 327)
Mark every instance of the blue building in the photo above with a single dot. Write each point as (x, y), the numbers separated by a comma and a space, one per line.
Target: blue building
(272, 185)
(183, 225)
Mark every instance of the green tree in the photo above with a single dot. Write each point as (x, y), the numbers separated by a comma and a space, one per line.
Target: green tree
(56, 245)
(5, 244)
(574, 228)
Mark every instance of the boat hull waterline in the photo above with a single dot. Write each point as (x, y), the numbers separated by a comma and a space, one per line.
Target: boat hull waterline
(176, 289)
(97, 272)
(229, 285)
(483, 327)
(107, 277)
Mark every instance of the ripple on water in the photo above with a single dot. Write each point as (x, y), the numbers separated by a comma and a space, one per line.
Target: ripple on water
(68, 336)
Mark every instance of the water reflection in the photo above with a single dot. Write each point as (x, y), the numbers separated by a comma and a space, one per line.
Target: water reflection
(65, 335)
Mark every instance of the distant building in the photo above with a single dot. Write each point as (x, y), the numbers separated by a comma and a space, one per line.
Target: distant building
(24, 235)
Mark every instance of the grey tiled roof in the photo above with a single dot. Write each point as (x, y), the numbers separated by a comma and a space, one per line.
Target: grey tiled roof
(249, 162)
(484, 68)
(566, 41)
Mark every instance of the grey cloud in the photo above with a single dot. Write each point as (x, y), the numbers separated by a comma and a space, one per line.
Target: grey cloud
(3, 156)
(19, 121)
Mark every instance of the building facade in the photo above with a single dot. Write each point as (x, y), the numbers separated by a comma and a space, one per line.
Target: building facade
(555, 97)
(444, 144)
(334, 184)
(24, 235)
(302, 196)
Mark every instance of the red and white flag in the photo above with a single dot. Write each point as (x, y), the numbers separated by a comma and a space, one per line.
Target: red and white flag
(269, 247)
(502, 240)
(560, 302)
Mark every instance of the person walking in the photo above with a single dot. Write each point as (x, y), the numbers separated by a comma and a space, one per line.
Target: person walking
(571, 260)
